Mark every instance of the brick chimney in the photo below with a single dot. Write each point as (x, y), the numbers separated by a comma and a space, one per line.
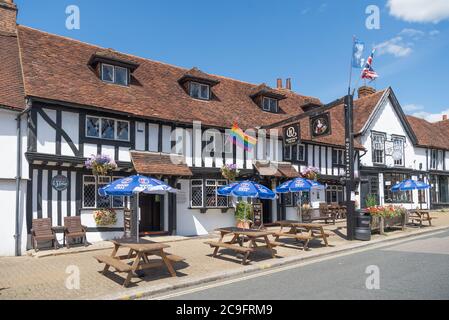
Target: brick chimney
(288, 83)
(366, 91)
(444, 117)
(279, 83)
(8, 16)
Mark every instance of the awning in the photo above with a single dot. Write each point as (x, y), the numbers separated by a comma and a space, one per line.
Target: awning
(276, 169)
(160, 164)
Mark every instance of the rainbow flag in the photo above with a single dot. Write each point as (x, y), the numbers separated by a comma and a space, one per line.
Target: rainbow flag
(241, 139)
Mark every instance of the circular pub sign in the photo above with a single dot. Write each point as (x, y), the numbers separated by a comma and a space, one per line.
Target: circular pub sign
(60, 183)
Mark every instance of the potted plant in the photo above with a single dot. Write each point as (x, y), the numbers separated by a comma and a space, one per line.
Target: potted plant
(387, 216)
(243, 211)
(230, 172)
(100, 165)
(310, 173)
(105, 217)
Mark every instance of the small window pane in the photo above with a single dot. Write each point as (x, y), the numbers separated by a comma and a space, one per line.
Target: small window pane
(92, 127)
(300, 152)
(266, 104)
(121, 76)
(294, 152)
(89, 196)
(107, 129)
(107, 73)
(194, 90)
(204, 92)
(273, 105)
(122, 130)
(287, 153)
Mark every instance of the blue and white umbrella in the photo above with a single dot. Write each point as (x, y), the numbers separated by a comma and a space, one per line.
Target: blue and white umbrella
(247, 189)
(134, 185)
(299, 185)
(408, 185)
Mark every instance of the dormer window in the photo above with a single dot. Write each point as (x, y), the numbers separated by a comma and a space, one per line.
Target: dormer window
(199, 90)
(270, 104)
(114, 74)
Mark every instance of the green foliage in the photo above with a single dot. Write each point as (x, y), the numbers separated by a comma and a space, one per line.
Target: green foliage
(243, 211)
(371, 201)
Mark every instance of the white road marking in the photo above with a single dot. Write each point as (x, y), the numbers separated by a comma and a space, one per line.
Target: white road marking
(293, 266)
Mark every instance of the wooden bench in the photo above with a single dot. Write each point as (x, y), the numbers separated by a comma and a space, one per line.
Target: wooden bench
(217, 245)
(421, 216)
(113, 262)
(298, 236)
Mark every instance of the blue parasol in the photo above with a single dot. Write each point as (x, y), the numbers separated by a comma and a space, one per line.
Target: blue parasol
(247, 189)
(408, 185)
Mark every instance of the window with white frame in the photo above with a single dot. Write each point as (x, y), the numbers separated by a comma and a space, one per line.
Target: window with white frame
(269, 104)
(114, 74)
(106, 128)
(199, 90)
(295, 153)
(334, 194)
(204, 193)
(398, 150)
(91, 198)
(338, 157)
(378, 147)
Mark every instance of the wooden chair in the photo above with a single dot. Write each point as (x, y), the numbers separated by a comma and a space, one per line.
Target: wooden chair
(74, 229)
(42, 231)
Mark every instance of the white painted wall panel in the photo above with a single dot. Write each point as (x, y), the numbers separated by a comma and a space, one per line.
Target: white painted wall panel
(188, 145)
(153, 132)
(89, 149)
(108, 151)
(46, 135)
(70, 124)
(123, 154)
(140, 136)
(166, 139)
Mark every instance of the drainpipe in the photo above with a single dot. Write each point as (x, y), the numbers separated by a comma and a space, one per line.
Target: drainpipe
(18, 235)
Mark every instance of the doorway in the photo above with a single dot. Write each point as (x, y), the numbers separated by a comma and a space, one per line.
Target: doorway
(369, 186)
(150, 212)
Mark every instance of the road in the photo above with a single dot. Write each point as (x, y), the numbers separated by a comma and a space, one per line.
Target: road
(416, 268)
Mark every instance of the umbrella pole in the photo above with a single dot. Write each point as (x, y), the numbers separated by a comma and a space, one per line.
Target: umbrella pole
(137, 217)
(300, 206)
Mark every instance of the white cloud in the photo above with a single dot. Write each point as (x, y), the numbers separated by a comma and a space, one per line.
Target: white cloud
(412, 107)
(419, 10)
(432, 117)
(412, 33)
(395, 46)
(434, 33)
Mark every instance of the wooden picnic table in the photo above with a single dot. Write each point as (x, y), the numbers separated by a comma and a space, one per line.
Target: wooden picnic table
(302, 232)
(252, 236)
(139, 254)
(419, 216)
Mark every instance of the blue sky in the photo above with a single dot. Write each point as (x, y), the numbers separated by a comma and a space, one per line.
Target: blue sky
(260, 40)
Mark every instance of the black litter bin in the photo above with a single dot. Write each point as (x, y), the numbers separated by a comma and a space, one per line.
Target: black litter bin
(363, 227)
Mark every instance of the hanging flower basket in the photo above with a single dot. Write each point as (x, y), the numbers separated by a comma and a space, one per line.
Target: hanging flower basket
(310, 173)
(100, 165)
(230, 172)
(105, 217)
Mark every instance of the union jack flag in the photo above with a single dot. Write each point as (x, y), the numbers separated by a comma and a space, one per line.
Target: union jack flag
(368, 71)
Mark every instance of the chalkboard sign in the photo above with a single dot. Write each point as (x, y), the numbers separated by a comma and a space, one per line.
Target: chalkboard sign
(257, 215)
(127, 215)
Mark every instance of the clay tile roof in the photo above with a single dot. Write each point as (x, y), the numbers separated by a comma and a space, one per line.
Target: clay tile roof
(11, 84)
(55, 68)
(434, 135)
(159, 164)
(263, 89)
(112, 56)
(275, 169)
(363, 108)
(197, 74)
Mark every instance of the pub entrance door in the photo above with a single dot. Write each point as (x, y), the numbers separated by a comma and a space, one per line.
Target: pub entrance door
(150, 212)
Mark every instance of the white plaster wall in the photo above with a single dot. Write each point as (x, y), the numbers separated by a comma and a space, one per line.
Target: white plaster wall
(89, 149)
(191, 222)
(46, 135)
(153, 132)
(140, 136)
(70, 124)
(166, 139)
(8, 218)
(123, 154)
(108, 151)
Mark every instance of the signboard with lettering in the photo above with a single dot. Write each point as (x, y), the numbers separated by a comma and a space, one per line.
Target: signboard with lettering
(320, 125)
(60, 183)
(258, 215)
(292, 134)
(127, 216)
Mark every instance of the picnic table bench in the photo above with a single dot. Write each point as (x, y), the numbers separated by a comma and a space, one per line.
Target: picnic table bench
(138, 254)
(304, 232)
(419, 216)
(240, 236)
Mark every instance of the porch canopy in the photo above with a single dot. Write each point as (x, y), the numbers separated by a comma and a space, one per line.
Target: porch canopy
(160, 164)
(276, 169)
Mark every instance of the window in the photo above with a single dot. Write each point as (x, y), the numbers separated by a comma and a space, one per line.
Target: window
(199, 91)
(433, 159)
(338, 157)
(106, 128)
(378, 147)
(228, 143)
(334, 194)
(114, 74)
(269, 104)
(91, 198)
(390, 179)
(292, 199)
(398, 151)
(204, 194)
(295, 153)
(422, 196)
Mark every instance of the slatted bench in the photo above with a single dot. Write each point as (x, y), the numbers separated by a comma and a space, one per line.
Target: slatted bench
(298, 236)
(113, 262)
(243, 250)
(419, 217)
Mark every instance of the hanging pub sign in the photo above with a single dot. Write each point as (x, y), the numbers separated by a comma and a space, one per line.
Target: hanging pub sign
(60, 183)
(292, 134)
(320, 125)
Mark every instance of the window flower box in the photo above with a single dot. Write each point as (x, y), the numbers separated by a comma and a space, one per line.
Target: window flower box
(105, 217)
(383, 218)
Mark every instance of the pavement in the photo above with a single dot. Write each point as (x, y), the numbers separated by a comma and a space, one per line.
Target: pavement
(56, 276)
(409, 270)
